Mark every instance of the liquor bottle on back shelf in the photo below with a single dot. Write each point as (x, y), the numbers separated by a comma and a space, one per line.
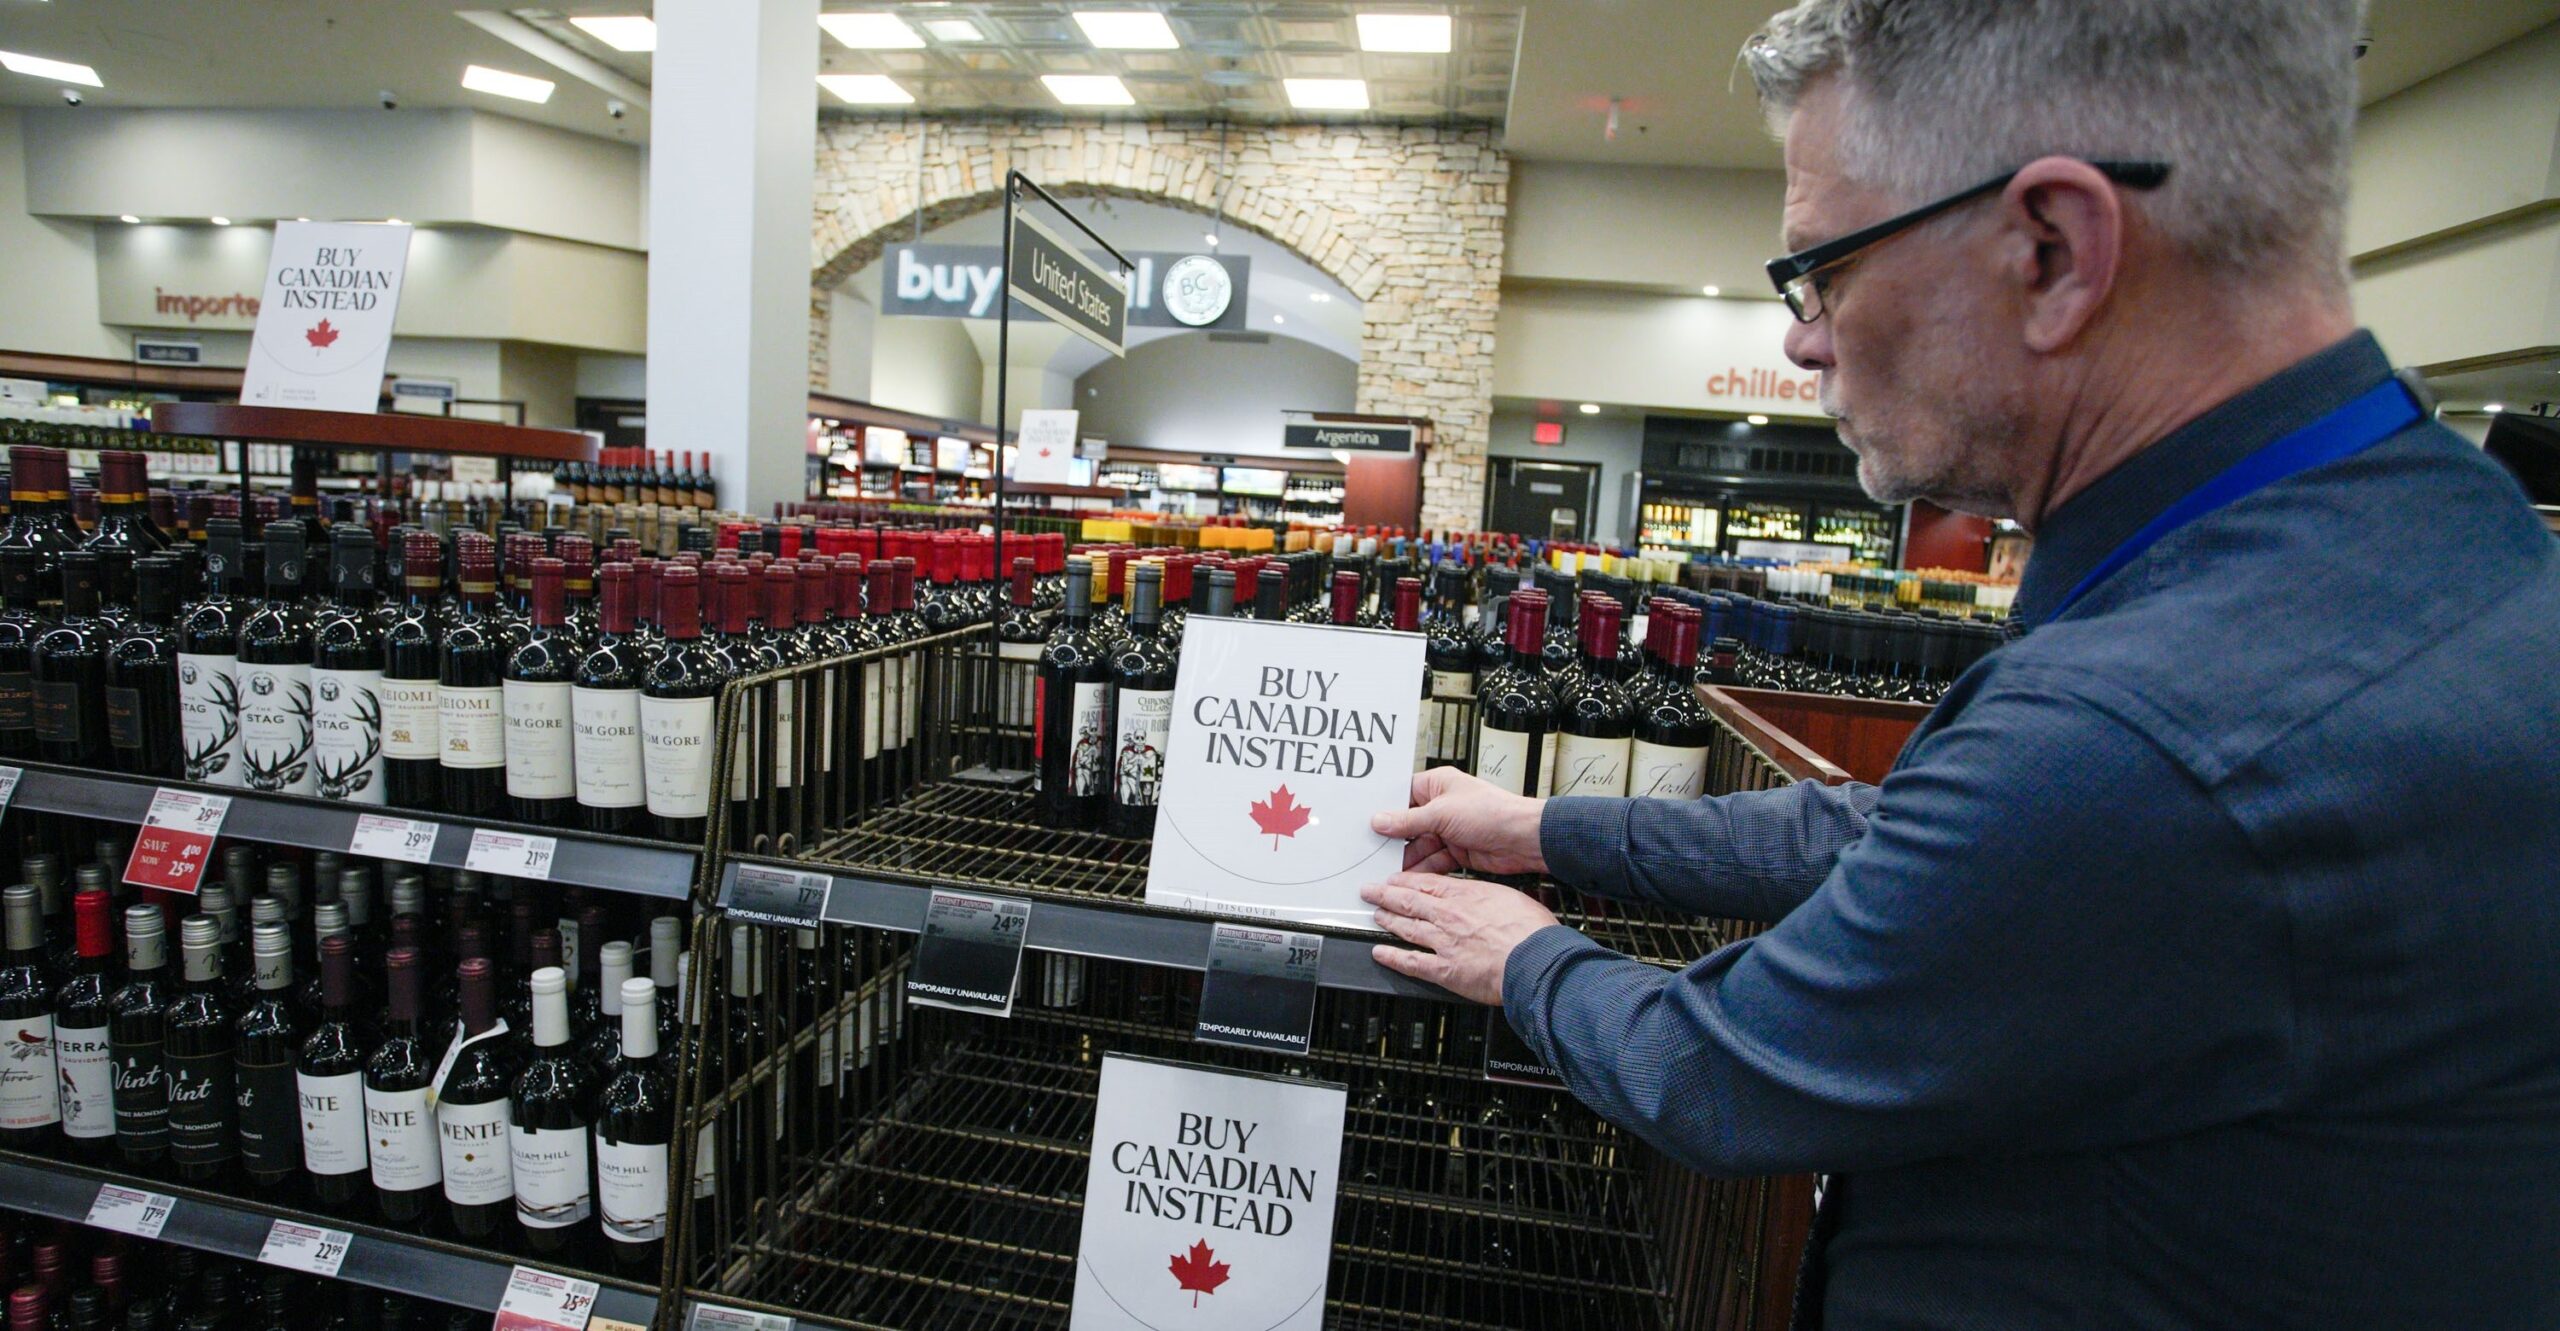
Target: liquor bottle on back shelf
(1515, 710)
(635, 1126)
(470, 690)
(1142, 671)
(1407, 618)
(676, 697)
(550, 1115)
(269, 1039)
(541, 780)
(29, 1106)
(346, 676)
(400, 1122)
(275, 675)
(69, 669)
(604, 710)
(1593, 721)
(21, 623)
(136, 1030)
(329, 1083)
(1072, 711)
(142, 676)
(83, 1048)
(208, 661)
(412, 642)
(302, 504)
(204, 1133)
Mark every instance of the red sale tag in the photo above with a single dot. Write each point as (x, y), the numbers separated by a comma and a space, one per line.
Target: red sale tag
(175, 845)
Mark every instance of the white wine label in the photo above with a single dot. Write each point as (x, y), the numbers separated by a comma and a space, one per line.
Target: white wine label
(1091, 756)
(1587, 766)
(1546, 765)
(750, 722)
(631, 1189)
(1453, 683)
(1017, 682)
(786, 731)
(1507, 759)
(551, 1176)
(332, 1123)
(346, 734)
(606, 748)
(875, 723)
(472, 1140)
(675, 739)
(400, 1132)
(209, 717)
(474, 726)
(411, 730)
(538, 752)
(27, 1095)
(1145, 720)
(1661, 772)
(911, 693)
(86, 1064)
(275, 729)
(706, 1174)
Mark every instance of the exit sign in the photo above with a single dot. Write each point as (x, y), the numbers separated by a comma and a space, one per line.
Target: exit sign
(1549, 433)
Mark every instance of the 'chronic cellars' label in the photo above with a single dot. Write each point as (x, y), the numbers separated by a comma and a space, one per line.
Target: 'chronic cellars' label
(208, 717)
(473, 721)
(675, 743)
(551, 1176)
(538, 741)
(411, 731)
(275, 729)
(631, 1189)
(346, 734)
(400, 1133)
(1089, 759)
(1660, 772)
(1017, 679)
(27, 1097)
(332, 1123)
(473, 1139)
(1137, 760)
(605, 747)
(1587, 766)
(85, 1061)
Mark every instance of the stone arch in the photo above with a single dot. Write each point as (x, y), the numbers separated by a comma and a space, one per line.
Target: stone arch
(1407, 218)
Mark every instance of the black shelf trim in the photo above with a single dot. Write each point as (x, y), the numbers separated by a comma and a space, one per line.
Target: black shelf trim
(649, 869)
(383, 1259)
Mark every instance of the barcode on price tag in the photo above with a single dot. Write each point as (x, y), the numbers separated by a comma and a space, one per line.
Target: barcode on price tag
(711, 1317)
(387, 838)
(511, 853)
(545, 1301)
(305, 1248)
(131, 1211)
(187, 811)
(8, 786)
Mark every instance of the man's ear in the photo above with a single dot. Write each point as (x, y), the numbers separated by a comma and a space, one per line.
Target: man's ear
(2065, 240)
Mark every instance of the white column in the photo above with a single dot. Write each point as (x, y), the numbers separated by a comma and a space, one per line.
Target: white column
(732, 153)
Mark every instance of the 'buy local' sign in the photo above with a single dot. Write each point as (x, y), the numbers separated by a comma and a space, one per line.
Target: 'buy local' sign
(324, 325)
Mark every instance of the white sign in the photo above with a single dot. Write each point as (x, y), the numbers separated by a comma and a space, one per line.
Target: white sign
(324, 325)
(511, 853)
(1046, 444)
(8, 786)
(298, 1247)
(131, 1211)
(424, 397)
(383, 837)
(543, 1301)
(1284, 740)
(1209, 1200)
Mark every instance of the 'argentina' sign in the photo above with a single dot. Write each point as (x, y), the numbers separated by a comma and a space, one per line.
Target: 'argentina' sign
(1351, 438)
(1052, 277)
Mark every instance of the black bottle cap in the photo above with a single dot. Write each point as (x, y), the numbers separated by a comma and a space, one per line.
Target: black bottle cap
(155, 586)
(284, 554)
(351, 561)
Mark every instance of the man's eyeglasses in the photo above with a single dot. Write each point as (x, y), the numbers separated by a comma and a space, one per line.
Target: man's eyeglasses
(1802, 277)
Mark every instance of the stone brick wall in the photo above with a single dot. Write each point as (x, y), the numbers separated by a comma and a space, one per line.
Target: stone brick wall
(1408, 218)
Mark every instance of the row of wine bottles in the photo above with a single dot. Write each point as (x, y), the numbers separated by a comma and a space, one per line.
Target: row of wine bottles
(65, 1277)
(639, 476)
(362, 1066)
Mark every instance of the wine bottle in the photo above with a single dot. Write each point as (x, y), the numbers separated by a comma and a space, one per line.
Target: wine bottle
(346, 677)
(412, 654)
(1141, 709)
(1669, 757)
(268, 1038)
(604, 708)
(541, 780)
(329, 1084)
(33, 523)
(69, 669)
(275, 675)
(1072, 710)
(302, 506)
(577, 558)
(124, 505)
(83, 1047)
(471, 1113)
(21, 623)
(676, 696)
(208, 661)
(470, 690)
(136, 1029)
(1450, 656)
(29, 1105)
(1515, 710)
(550, 1113)
(600, 1048)
(143, 725)
(1593, 720)
(400, 1122)
(635, 1124)
(204, 1134)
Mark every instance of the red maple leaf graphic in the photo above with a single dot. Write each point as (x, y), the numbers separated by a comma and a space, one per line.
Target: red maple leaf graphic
(1279, 814)
(320, 334)
(1195, 1272)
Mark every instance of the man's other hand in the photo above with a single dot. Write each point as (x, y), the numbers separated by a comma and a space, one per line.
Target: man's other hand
(1462, 822)
(1469, 926)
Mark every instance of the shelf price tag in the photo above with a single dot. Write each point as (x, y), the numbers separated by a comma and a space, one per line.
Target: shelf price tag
(1508, 1058)
(131, 1211)
(510, 853)
(791, 898)
(710, 1317)
(176, 840)
(383, 837)
(8, 786)
(1260, 991)
(970, 955)
(545, 1301)
(300, 1247)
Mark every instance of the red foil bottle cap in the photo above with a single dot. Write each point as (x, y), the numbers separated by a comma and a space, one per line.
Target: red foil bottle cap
(813, 591)
(680, 601)
(781, 597)
(92, 922)
(547, 598)
(615, 596)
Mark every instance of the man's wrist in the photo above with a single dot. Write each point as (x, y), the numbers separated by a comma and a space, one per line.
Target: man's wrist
(1582, 839)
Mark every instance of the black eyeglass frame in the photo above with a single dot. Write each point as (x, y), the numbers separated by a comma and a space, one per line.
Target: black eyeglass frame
(1785, 273)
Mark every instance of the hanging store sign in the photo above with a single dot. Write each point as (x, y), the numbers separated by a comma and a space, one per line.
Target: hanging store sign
(1055, 278)
(324, 325)
(1209, 1199)
(1167, 289)
(1349, 437)
(167, 351)
(1284, 740)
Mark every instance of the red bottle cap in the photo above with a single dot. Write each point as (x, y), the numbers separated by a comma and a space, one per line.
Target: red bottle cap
(615, 597)
(547, 598)
(680, 601)
(781, 597)
(815, 602)
(1346, 597)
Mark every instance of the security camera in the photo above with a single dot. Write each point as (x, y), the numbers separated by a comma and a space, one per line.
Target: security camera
(390, 100)
(2364, 43)
(616, 109)
(71, 97)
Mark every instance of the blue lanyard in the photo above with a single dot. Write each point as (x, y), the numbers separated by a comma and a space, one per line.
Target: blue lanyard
(2383, 411)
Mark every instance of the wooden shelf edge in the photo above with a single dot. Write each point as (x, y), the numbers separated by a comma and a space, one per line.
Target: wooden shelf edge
(389, 432)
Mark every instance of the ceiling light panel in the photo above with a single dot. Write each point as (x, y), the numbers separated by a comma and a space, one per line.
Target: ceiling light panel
(1088, 90)
(500, 83)
(633, 33)
(866, 89)
(60, 71)
(1127, 29)
(1327, 94)
(871, 31)
(1424, 34)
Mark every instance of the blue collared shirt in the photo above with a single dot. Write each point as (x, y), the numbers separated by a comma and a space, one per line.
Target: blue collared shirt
(2198, 964)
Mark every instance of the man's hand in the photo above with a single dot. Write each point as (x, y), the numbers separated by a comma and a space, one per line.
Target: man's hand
(1469, 926)
(1462, 822)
